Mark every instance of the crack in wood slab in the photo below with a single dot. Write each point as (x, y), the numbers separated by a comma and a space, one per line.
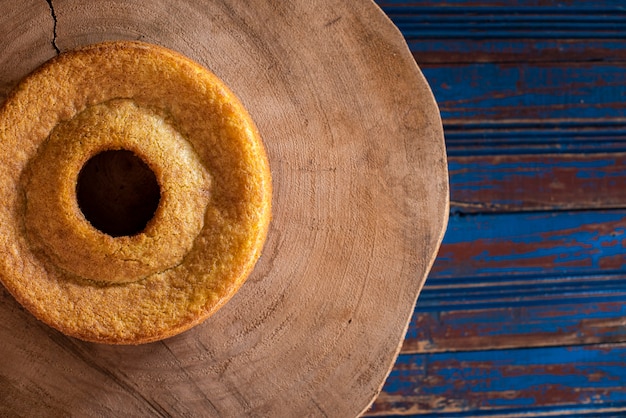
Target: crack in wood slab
(54, 27)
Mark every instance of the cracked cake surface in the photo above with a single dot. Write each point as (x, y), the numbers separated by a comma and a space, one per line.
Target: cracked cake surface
(215, 193)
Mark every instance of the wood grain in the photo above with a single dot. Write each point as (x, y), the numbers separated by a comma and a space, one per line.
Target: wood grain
(32, 26)
(361, 201)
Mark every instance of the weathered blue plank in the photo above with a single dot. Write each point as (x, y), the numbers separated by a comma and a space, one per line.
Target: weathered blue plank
(491, 108)
(537, 182)
(546, 412)
(537, 380)
(542, 244)
(532, 4)
(515, 279)
(503, 92)
(513, 22)
(535, 136)
(464, 31)
(550, 323)
(509, 292)
(464, 51)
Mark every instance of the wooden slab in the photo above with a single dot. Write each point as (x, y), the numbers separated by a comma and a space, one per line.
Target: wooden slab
(361, 201)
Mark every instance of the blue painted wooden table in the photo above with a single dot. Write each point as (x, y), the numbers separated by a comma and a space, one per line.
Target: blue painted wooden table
(523, 312)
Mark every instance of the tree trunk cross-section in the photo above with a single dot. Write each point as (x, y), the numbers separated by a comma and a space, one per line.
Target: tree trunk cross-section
(360, 205)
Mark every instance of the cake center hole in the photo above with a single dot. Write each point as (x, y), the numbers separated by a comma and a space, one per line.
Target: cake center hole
(118, 193)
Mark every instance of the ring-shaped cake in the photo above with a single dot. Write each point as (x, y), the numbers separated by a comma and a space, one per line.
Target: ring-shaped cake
(213, 179)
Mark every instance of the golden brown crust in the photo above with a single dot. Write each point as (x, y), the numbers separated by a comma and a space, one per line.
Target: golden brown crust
(215, 193)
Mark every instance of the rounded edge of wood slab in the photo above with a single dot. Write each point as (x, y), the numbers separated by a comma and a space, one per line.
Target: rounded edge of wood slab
(356, 151)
